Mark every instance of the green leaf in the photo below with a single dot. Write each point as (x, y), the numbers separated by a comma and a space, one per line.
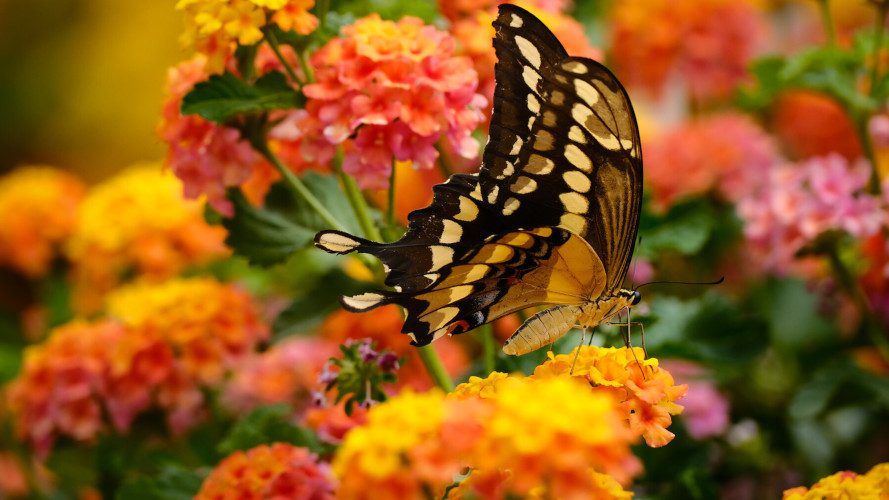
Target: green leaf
(173, 483)
(685, 229)
(223, 96)
(312, 307)
(266, 425)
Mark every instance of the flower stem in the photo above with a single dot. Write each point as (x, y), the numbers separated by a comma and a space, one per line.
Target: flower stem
(879, 31)
(489, 353)
(435, 368)
(827, 20)
(357, 201)
(273, 43)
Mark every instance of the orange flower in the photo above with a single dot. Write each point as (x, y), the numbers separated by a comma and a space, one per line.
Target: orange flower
(38, 210)
(846, 484)
(137, 223)
(811, 124)
(279, 471)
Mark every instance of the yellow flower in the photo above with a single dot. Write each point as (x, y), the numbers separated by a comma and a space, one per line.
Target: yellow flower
(845, 484)
(484, 388)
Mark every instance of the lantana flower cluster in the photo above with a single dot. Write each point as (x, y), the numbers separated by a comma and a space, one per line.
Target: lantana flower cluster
(215, 27)
(389, 91)
(137, 224)
(277, 471)
(846, 484)
(799, 202)
(727, 152)
(708, 44)
(38, 212)
(165, 344)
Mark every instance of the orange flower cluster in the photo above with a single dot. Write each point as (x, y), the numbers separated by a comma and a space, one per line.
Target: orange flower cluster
(137, 223)
(277, 472)
(871, 486)
(521, 441)
(38, 210)
(389, 91)
(215, 27)
(708, 43)
(646, 392)
(171, 341)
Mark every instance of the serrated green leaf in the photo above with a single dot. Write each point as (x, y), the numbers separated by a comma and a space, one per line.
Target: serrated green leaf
(223, 96)
(266, 425)
(173, 483)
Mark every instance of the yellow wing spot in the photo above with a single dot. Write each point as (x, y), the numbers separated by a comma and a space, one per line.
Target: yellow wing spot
(459, 292)
(477, 192)
(523, 185)
(578, 158)
(431, 276)
(557, 98)
(577, 180)
(337, 243)
(575, 67)
(528, 50)
(516, 21)
(543, 232)
(468, 210)
(441, 256)
(517, 145)
(531, 77)
(573, 222)
(576, 134)
(628, 145)
(587, 92)
(544, 141)
(476, 272)
(581, 113)
(549, 119)
(363, 302)
(533, 104)
(492, 196)
(575, 202)
(452, 232)
(440, 317)
(509, 169)
(539, 165)
(493, 254)
(510, 206)
(609, 141)
(521, 240)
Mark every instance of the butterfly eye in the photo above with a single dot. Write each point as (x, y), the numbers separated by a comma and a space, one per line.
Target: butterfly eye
(636, 298)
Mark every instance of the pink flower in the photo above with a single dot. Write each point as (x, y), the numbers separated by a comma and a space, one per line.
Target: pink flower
(706, 411)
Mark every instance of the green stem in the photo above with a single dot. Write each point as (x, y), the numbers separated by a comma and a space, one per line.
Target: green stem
(273, 43)
(827, 19)
(297, 185)
(879, 30)
(488, 347)
(357, 201)
(390, 209)
(873, 185)
(435, 368)
(301, 57)
(322, 7)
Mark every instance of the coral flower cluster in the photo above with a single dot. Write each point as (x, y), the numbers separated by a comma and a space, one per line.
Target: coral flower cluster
(708, 44)
(166, 343)
(799, 202)
(38, 212)
(846, 484)
(215, 27)
(277, 471)
(137, 224)
(389, 91)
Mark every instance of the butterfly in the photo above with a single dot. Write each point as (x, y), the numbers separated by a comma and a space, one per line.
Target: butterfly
(549, 220)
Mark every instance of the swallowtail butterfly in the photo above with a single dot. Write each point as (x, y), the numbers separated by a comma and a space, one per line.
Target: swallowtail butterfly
(550, 219)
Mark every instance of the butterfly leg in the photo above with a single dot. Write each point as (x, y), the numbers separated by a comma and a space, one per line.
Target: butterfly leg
(582, 337)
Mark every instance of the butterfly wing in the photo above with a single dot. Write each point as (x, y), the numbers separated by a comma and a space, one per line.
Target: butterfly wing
(564, 147)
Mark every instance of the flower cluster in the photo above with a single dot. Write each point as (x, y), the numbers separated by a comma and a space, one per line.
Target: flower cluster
(277, 471)
(799, 202)
(396, 88)
(646, 392)
(726, 151)
(136, 223)
(38, 211)
(358, 375)
(167, 343)
(709, 44)
(215, 27)
(873, 485)
(520, 440)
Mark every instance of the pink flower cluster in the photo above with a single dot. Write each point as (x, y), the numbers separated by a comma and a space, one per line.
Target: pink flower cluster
(388, 91)
(726, 151)
(798, 202)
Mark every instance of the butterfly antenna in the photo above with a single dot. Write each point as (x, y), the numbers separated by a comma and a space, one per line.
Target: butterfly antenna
(720, 280)
(635, 260)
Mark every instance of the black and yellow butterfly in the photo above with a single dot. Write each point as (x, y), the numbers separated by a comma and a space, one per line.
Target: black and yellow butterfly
(550, 219)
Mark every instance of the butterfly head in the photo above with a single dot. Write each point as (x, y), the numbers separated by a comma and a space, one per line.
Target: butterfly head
(631, 296)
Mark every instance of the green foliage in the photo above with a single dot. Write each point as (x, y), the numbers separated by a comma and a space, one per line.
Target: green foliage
(171, 483)
(225, 96)
(685, 229)
(267, 425)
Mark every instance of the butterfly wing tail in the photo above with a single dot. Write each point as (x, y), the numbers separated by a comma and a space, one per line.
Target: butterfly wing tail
(340, 243)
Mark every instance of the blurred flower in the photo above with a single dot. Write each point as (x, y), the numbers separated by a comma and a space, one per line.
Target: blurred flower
(708, 44)
(726, 151)
(215, 27)
(269, 472)
(706, 411)
(875, 279)
(799, 202)
(332, 423)
(845, 484)
(388, 91)
(285, 373)
(38, 210)
(455, 10)
(810, 124)
(136, 224)
(383, 325)
(13, 483)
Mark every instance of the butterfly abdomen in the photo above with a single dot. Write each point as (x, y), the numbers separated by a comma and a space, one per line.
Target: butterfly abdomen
(542, 329)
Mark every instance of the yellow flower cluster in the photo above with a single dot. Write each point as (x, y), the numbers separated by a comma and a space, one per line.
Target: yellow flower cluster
(550, 437)
(215, 27)
(38, 210)
(137, 224)
(846, 484)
